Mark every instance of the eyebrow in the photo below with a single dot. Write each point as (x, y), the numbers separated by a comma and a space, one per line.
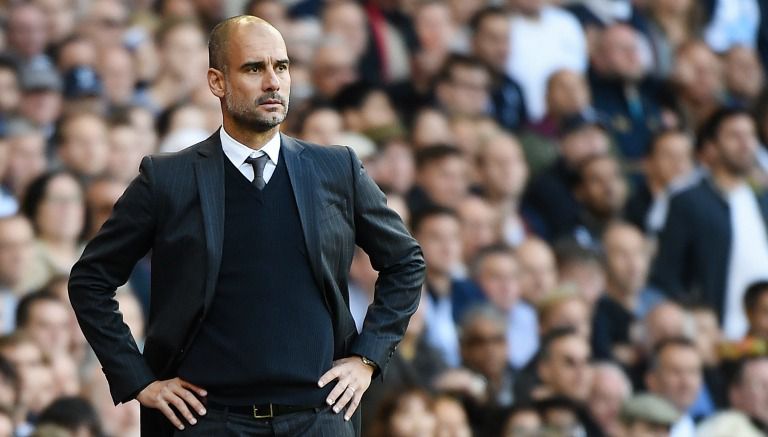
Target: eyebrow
(262, 64)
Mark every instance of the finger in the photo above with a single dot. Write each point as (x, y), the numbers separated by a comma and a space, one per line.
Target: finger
(191, 400)
(329, 376)
(349, 393)
(337, 391)
(166, 409)
(188, 385)
(182, 407)
(353, 405)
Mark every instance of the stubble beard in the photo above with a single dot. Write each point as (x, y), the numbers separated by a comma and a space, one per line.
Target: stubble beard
(245, 114)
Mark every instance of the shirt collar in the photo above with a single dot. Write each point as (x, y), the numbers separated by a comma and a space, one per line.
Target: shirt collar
(238, 152)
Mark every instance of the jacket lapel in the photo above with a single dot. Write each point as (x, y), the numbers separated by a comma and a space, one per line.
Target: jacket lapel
(304, 184)
(209, 170)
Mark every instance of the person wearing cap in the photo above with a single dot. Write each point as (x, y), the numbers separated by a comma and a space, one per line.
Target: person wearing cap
(647, 415)
(551, 193)
(41, 99)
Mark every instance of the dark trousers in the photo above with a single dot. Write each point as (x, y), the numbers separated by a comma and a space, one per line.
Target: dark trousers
(318, 422)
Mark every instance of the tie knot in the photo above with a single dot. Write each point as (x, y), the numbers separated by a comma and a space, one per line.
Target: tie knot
(258, 164)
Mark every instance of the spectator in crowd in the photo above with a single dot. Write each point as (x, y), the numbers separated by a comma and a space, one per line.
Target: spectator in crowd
(333, 67)
(17, 241)
(124, 156)
(27, 35)
(26, 159)
(756, 309)
(366, 109)
(626, 299)
(563, 366)
(503, 174)
(568, 94)
(119, 76)
(564, 307)
(480, 227)
(647, 415)
(463, 86)
(319, 123)
(83, 145)
(675, 374)
(544, 39)
(550, 193)
(55, 205)
(100, 197)
(441, 178)
(522, 421)
(581, 269)
(538, 270)
(610, 390)
(437, 230)
(699, 79)
(602, 192)
(490, 44)
(74, 414)
(28, 362)
(396, 166)
(668, 170)
(744, 77)
(496, 271)
(747, 390)
(41, 99)
(670, 24)
(407, 413)
(45, 319)
(10, 88)
(731, 244)
(451, 418)
(623, 93)
(484, 349)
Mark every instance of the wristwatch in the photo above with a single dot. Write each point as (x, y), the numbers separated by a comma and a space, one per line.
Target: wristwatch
(368, 362)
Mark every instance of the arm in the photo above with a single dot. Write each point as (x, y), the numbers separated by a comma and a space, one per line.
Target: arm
(397, 257)
(671, 257)
(106, 264)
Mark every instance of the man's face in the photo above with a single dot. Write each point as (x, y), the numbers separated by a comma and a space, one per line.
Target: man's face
(736, 144)
(498, 277)
(538, 270)
(678, 376)
(85, 146)
(445, 181)
(566, 371)
(479, 225)
(628, 258)
(27, 30)
(333, 68)
(101, 197)
(589, 140)
(48, 325)
(609, 391)
(568, 93)
(256, 75)
(10, 94)
(504, 170)
(672, 158)
(16, 250)
(439, 238)
(467, 92)
(603, 189)
(484, 348)
(491, 42)
(622, 53)
(751, 396)
(758, 317)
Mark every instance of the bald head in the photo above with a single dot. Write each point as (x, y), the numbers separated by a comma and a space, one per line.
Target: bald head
(221, 35)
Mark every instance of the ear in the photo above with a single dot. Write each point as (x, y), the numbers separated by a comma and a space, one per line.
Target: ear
(216, 82)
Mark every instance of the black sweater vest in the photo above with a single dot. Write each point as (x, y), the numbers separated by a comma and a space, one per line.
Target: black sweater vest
(268, 335)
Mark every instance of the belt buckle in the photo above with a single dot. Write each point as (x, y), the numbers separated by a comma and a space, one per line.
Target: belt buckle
(257, 415)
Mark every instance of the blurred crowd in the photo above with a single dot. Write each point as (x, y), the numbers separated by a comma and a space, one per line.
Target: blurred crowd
(587, 180)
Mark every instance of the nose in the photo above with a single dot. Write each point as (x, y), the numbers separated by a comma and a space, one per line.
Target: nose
(270, 81)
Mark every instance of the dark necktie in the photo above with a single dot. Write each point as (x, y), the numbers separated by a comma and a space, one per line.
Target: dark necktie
(258, 169)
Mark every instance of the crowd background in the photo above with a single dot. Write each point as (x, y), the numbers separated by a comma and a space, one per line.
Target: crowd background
(587, 180)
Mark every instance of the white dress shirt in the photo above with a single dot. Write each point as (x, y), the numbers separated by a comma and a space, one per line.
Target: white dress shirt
(238, 152)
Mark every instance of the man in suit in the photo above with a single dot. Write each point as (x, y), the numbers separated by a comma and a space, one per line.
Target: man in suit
(715, 240)
(252, 235)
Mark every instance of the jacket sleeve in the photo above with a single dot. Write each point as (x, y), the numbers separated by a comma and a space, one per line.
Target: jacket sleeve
(397, 257)
(671, 259)
(106, 264)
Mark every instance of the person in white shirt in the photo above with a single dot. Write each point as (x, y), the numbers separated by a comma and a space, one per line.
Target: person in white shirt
(543, 39)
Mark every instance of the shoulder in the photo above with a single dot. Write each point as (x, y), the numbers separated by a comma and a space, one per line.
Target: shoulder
(334, 159)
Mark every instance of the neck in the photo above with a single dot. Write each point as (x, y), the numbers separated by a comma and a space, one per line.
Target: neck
(251, 138)
(440, 282)
(725, 180)
(627, 300)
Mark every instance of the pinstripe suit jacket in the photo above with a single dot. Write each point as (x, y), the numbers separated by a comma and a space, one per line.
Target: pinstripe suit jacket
(175, 208)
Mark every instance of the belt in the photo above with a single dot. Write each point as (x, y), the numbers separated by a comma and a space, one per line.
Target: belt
(259, 411)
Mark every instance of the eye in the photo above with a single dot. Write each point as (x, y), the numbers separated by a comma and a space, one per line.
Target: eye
(282, 67)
